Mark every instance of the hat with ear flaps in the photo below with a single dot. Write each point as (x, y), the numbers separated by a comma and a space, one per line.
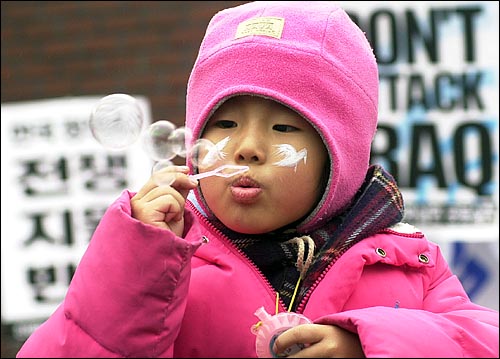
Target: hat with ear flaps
(308, 56)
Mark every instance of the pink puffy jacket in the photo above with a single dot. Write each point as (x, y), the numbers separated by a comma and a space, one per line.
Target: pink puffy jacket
(140, 291)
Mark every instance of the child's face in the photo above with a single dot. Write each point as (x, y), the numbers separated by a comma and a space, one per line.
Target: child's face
(273, 192)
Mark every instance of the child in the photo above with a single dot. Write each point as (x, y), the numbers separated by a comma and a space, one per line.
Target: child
(310, 234)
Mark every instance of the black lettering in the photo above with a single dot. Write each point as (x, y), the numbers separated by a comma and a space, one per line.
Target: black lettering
(68, 228)
(391, 37)
(39, 232)
(468, 14)
(390, 55)
(415, 32)
(416, 95)
(470, 83)
(386, 155)
(486, 157)
(41, 278)
(444, 82)
(421, 133)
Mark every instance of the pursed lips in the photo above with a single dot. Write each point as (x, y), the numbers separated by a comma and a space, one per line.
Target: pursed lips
(245, 189)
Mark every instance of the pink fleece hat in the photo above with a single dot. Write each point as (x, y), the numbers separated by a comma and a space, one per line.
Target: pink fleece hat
(307, 55)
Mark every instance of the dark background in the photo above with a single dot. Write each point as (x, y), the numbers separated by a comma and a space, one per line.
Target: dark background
(75, 48)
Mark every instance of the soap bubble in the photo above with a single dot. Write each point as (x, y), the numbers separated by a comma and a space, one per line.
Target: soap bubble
(179, 137)
(116, 121)
(199, 154)
(157, 140)
(158, 166)
(163, 141)
(163, 178)
(204, 154)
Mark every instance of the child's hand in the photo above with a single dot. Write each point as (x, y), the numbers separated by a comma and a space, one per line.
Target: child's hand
(322, 341)
(163, 205)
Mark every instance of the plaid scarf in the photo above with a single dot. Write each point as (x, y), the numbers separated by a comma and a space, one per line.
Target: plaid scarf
(377, 205)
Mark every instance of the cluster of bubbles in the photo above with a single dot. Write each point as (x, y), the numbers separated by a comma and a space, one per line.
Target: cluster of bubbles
(117, 122)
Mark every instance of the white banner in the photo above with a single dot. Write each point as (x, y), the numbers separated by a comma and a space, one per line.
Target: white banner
(57, 181)
(438, 124)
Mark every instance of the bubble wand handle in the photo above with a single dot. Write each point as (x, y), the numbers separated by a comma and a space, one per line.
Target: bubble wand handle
(222, 171)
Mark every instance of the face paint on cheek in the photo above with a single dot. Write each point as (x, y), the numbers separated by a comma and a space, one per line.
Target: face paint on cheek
(214, 153)
(290, 157)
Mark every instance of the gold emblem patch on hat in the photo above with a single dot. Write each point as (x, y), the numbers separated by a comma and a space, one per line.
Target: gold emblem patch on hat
(264, 26)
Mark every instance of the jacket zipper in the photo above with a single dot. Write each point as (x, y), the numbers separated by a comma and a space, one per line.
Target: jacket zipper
(302, 303)
(230, 244)
(233, 248)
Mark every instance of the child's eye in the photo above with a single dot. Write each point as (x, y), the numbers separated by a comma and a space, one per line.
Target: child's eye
(285, 128)
(225, 124)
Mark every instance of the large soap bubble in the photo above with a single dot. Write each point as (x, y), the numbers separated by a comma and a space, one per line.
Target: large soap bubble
(116, 121)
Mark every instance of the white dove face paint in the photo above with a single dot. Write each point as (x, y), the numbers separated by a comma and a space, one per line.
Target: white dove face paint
(205, 153)
(290, 157)
(215, 153)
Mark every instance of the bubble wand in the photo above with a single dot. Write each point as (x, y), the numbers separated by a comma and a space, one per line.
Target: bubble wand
(222, 171)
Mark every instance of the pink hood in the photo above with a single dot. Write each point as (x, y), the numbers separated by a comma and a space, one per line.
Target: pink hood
(324, 69)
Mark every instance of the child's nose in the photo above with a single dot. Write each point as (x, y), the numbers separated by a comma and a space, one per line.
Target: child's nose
(250, 148)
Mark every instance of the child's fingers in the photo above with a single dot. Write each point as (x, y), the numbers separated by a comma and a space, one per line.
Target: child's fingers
(157, 200)
(171, 206)
(167, 176)
(162, 204)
